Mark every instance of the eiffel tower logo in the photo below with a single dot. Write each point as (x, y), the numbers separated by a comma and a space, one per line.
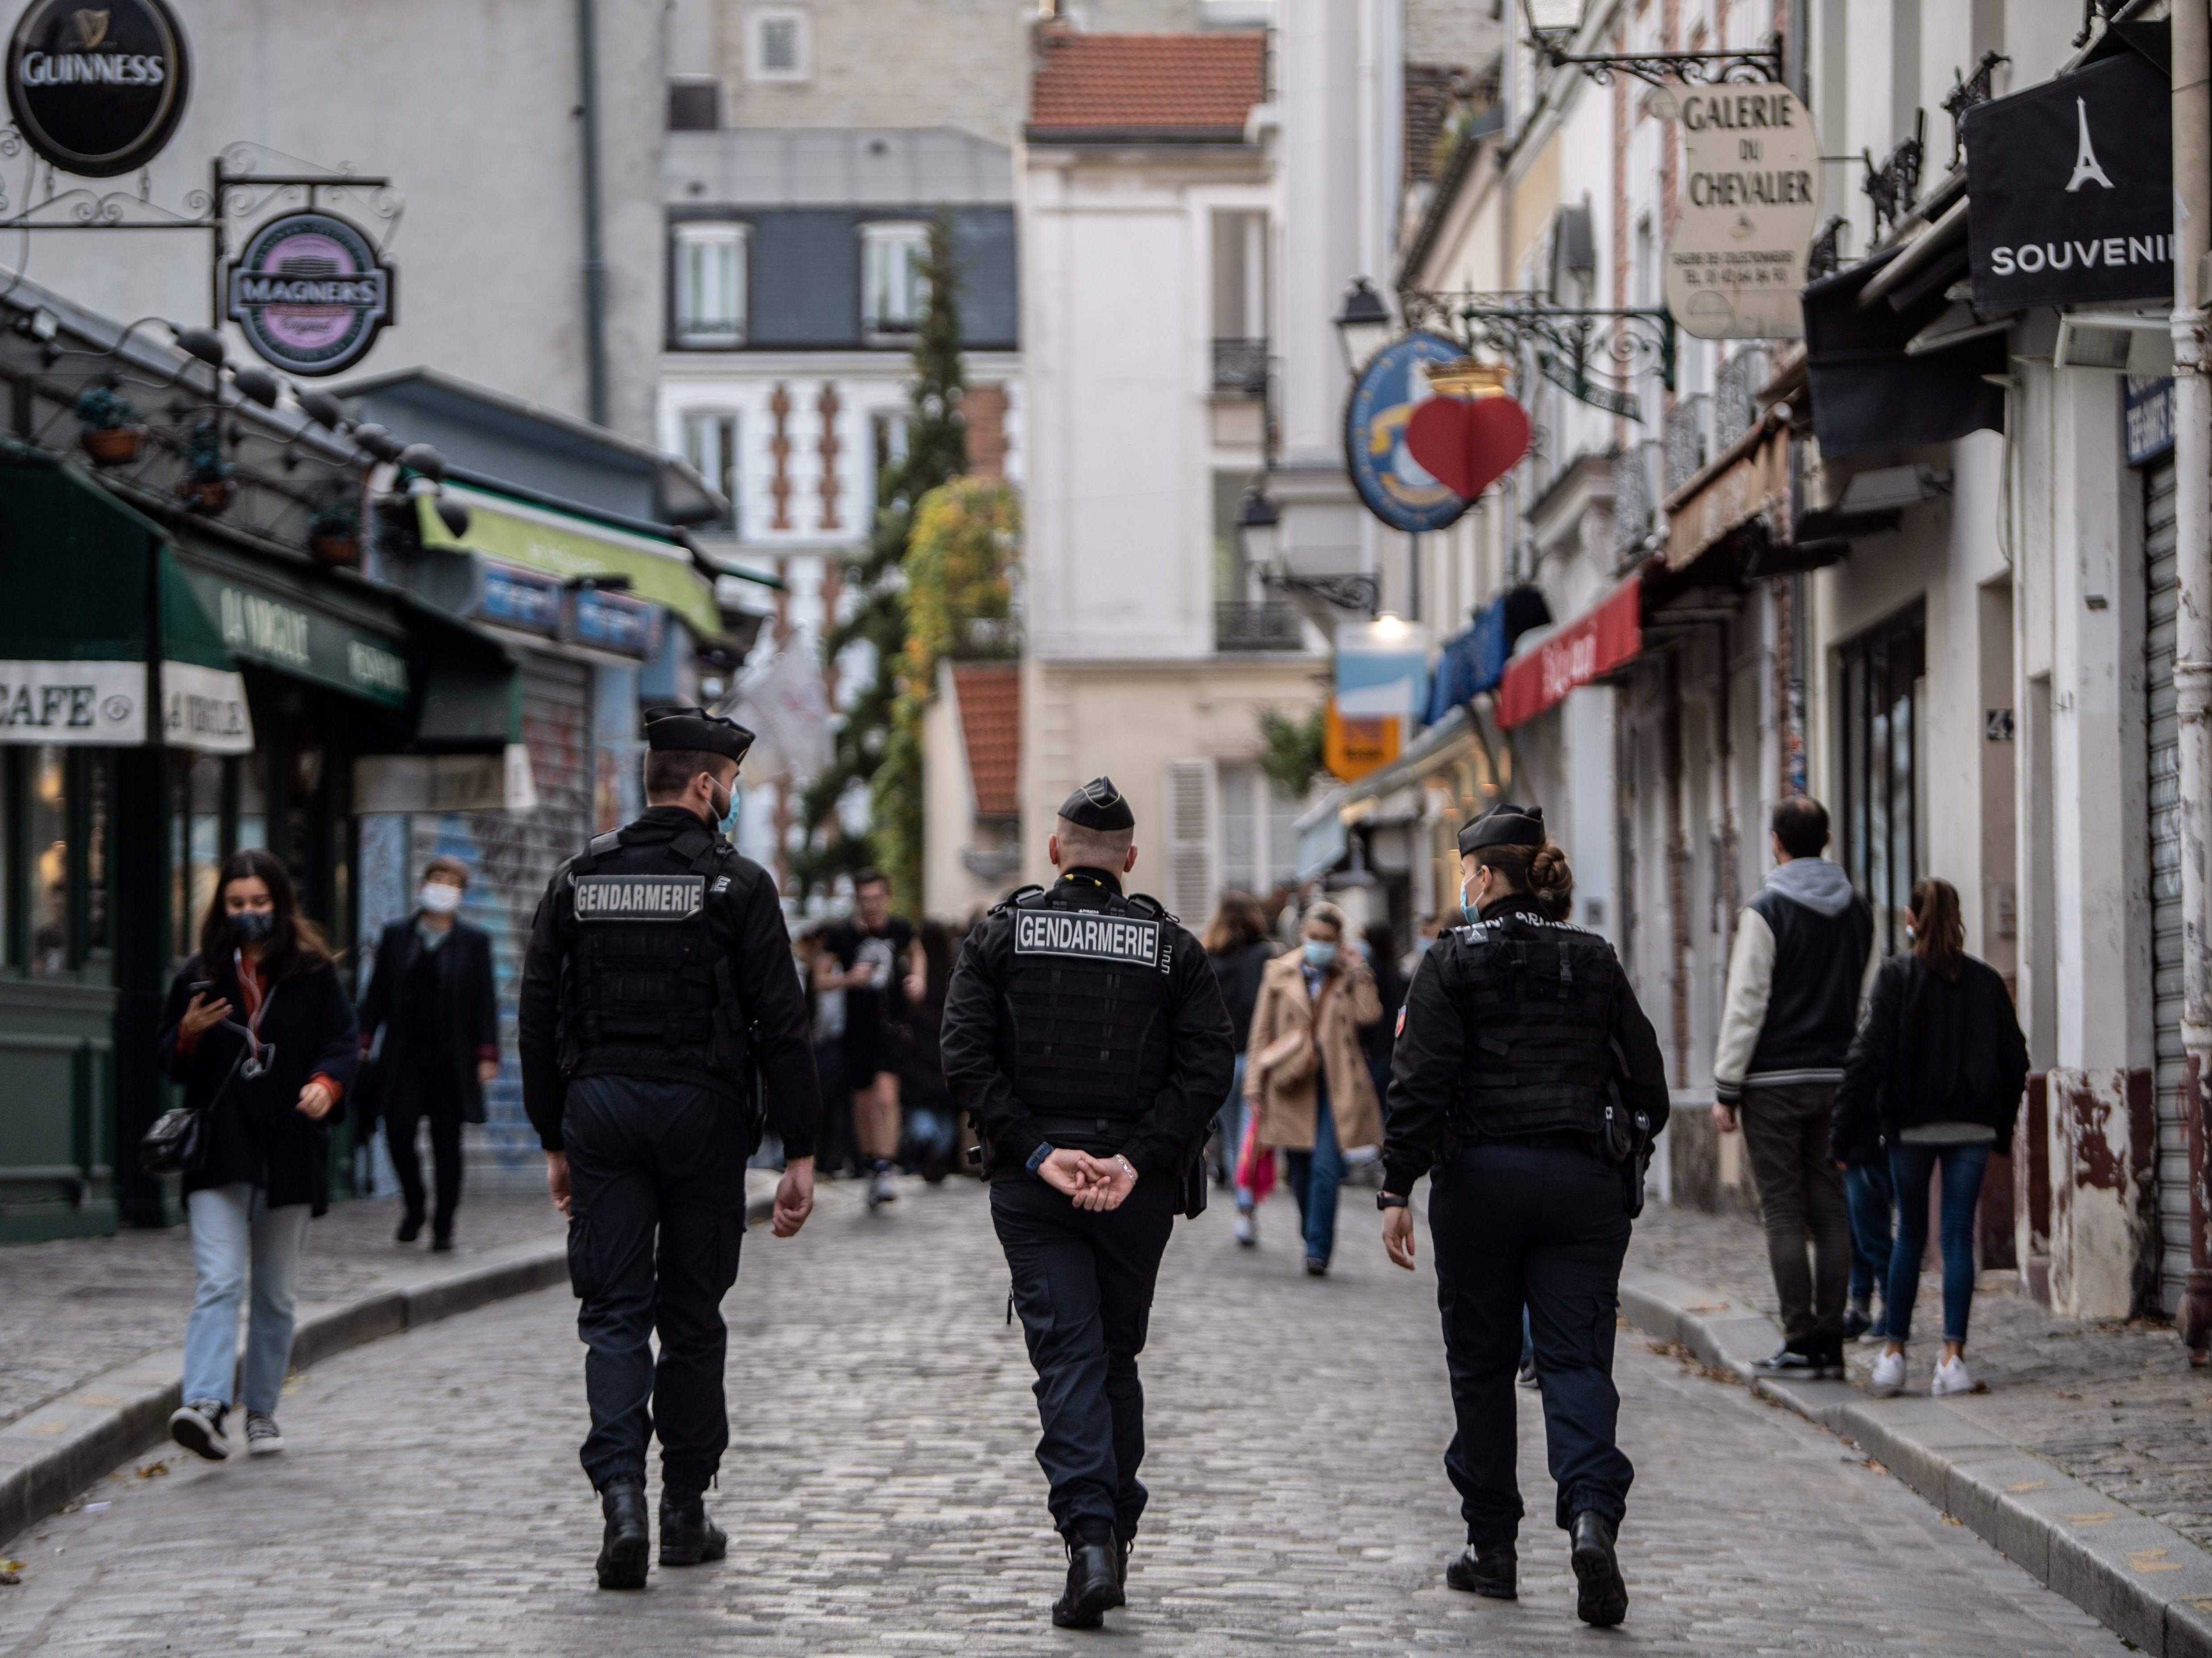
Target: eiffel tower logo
(2085, 170)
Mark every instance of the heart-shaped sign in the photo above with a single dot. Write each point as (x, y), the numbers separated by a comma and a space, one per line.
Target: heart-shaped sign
(1467, 445)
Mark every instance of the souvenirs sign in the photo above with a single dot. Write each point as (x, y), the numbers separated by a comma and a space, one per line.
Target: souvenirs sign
(97, 90)
(2071, 189)
(311, 293)
(1750, 204)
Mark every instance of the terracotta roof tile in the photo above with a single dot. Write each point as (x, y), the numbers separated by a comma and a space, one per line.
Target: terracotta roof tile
(990, 696)
(1179, 85)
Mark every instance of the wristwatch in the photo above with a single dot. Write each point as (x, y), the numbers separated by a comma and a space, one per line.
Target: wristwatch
(1394, 1199)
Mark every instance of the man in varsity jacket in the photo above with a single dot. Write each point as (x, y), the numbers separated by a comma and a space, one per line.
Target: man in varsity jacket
(1803, 963)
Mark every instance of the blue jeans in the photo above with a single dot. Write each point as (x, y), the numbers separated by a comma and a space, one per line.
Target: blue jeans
(231, 1224)
(1867, 1198)
(1314, 1177)
(1910, 1168)
(1230, 1119)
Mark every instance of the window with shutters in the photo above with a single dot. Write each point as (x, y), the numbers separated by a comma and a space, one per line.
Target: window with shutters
(1259, 830)
(710, 284)
(780, 45)
(1190, 808)
(710, 443)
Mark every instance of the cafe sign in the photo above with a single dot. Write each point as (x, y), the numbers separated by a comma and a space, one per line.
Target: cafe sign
(1750, 202)
(2071, 187)
(311, 293)
(100, 702)
(97, 90)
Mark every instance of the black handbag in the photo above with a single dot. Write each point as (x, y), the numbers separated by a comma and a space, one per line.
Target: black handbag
(177, 1144)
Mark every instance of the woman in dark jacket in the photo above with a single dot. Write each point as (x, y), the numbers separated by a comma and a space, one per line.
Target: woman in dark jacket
(1939, 1063)
(258, 1031)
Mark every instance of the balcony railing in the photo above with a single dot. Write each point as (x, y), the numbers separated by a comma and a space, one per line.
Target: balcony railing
(1262, 625)
(1686, 440)
(1240, 368)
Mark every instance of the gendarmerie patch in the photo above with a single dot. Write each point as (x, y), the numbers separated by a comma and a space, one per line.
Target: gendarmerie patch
(639, 897)
(1091, 938)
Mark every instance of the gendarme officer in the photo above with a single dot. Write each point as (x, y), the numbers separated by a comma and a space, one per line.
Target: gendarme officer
(658, 983)
(1528, 1084)
(1085, 1036)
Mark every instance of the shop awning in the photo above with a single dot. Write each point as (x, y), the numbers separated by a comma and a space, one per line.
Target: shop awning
(562, 544)
(95, 594)
(1473, 662)
(1870, 391)
(1608, 633)
(1748, 481)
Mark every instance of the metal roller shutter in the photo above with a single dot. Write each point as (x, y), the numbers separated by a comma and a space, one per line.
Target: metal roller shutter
(2160, 580)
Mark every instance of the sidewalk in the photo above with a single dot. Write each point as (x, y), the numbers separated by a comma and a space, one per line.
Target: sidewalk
(2085, 1455)
(92, 1329)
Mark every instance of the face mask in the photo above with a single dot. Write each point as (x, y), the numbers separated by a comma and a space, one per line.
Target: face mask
(1471, 911)
(726, 820)
(1320, 955)
(440, 897)
(252, 926)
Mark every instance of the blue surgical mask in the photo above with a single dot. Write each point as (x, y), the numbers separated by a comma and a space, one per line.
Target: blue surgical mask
(1319, 955)
(250, 926)
(1470, 912)
(726, 824)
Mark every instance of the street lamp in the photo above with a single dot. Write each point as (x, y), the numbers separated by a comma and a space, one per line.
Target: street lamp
(1258, 523)
(1362, 323)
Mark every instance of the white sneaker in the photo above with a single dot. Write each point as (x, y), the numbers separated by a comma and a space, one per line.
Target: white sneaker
(882, 1188)
(1248, 1229)
(1951, 1377)
(1889, 1375)
(263, 1436)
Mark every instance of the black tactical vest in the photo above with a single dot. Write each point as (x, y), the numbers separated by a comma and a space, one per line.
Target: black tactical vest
(1086, 994)
(1538, 1011)
(648, 992)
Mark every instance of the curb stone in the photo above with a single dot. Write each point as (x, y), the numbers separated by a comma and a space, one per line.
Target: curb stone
(67, 1444)
(2141, 1579)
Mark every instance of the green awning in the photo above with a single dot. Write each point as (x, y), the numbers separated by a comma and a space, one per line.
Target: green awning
(303, 628)
(562, 544)
(86, 575)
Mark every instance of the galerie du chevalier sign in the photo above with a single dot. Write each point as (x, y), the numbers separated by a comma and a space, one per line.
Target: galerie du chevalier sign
(310, 292)
(1750, 202)
(97, 90)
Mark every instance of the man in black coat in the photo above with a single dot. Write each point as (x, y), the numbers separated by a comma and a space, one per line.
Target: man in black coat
(431, 992)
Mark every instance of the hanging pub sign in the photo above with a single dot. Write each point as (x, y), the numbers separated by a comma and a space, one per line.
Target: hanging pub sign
(97, 90)
(1750, 202)
(1397, 489)
(2071, 189)
(311, 293)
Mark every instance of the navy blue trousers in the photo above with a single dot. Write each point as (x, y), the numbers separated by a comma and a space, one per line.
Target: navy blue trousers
(1083, 1285)
(657, 1179)
(1546, 1226)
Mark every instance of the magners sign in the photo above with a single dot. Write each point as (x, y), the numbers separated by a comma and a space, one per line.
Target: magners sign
(97, 90)
(310, 293)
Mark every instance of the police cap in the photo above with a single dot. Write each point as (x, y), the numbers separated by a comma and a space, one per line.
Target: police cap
(1098, 805)
(1504, 825)
(681, 725)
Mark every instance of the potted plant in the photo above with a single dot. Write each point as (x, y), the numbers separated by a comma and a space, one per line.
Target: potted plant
(112, 433)
(334, 534)
(206, 485)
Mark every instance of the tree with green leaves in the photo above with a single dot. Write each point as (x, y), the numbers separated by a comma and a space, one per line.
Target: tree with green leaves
(936, 450)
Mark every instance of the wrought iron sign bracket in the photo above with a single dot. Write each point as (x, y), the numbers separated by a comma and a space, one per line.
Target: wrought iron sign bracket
(1589, 354)
(235, 192)
(1748, 63)
(1347, 593)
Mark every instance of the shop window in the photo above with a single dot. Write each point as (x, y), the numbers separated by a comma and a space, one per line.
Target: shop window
(710, 443)
(710, 285)
(1882, 686)
(48, 844)
(893, 280)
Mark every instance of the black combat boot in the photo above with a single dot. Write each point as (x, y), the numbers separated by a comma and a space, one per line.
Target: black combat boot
(687, 1536)
(1486, 1568)
(623, 1552)
(1093, 1573)
(1603, 1597)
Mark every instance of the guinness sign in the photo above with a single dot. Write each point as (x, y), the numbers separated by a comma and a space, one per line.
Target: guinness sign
(97, 90)
(310, 293)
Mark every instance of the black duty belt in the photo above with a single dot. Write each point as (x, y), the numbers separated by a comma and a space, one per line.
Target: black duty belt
(1097, 1127)
(1554, 1140)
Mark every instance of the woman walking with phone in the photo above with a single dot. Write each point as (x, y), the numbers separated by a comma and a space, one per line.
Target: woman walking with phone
(258, 1031)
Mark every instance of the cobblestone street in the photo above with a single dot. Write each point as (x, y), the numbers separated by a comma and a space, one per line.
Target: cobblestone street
(882, 1497)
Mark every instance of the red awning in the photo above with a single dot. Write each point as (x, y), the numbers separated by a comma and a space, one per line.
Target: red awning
(1594, 643)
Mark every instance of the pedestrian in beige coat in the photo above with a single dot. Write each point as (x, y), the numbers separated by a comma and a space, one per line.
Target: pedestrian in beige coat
(1306, 1074)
